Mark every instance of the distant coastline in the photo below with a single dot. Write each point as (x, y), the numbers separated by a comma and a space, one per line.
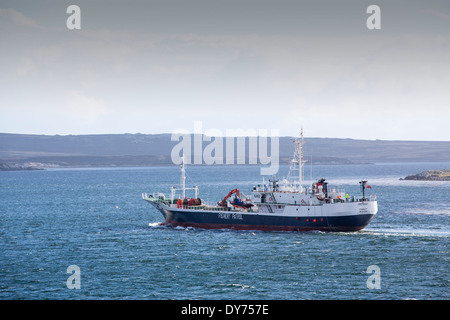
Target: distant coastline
(19, 167)
(42, 163)
(430, 175)
(36, 152)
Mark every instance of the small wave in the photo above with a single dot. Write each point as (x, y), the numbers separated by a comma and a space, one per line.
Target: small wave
(426, 211)
(242, 286)
(238, 285)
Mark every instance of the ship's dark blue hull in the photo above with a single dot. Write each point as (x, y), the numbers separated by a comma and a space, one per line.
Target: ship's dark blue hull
(253, 221)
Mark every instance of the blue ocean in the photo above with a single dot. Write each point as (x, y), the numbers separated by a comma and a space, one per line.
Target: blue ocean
(96, 220)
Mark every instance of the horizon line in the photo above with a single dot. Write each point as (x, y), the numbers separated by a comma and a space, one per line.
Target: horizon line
(224, 136)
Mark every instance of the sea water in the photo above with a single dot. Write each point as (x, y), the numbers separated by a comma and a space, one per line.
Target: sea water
(96, 220)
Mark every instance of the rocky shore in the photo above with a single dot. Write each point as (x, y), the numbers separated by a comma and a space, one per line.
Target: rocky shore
(430, 175)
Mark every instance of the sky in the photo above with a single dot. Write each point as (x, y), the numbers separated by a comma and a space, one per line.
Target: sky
(161, 66)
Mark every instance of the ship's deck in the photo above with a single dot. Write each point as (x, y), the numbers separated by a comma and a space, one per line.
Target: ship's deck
(173, 204)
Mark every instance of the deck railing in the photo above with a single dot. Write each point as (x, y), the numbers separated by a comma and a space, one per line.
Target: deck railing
(159, 197)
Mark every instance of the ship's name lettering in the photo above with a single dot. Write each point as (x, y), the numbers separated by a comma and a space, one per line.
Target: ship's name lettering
(229, 215)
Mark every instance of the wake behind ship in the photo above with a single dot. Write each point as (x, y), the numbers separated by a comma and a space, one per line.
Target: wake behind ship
(280, 206)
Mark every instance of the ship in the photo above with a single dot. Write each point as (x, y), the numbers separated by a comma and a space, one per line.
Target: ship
(279, 205)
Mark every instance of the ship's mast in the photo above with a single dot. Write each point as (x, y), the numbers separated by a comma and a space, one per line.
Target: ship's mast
(183, 177)
(297, 163)
(300, 158)
(183, 182)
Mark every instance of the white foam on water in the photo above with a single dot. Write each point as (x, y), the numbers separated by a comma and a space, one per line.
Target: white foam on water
(155, 224)
(406, 232)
